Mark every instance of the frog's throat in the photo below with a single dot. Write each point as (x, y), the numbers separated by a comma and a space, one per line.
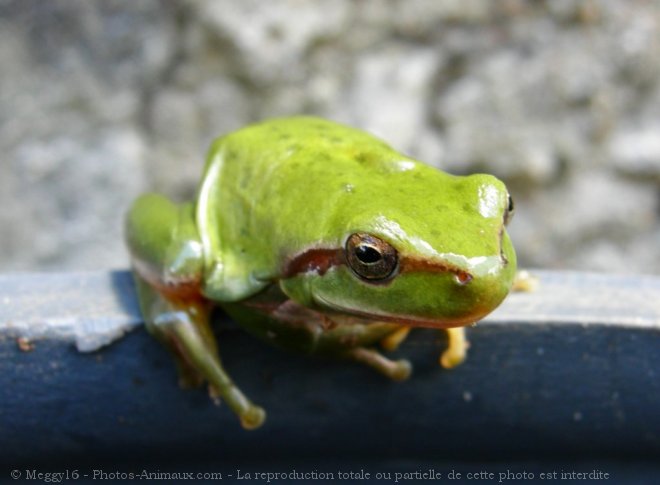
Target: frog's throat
(334, 314)
(320, 260)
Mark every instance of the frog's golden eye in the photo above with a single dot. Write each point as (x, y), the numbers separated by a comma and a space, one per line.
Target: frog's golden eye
(371, 258)
(508, 214)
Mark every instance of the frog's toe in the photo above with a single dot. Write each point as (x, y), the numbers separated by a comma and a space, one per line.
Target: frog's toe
(398, 370)
(525, 281)
(393, 340)
(253, 417)
(401, 370)
(457, 350)
(450, 359)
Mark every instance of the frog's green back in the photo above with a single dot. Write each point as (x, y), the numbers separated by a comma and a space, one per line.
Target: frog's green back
(274, 189)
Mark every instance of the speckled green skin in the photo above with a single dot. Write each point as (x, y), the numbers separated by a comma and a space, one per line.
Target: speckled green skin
(275, 190)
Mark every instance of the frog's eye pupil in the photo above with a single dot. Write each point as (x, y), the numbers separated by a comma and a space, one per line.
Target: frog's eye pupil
(367, 254)
(510, 207)
(371, 258)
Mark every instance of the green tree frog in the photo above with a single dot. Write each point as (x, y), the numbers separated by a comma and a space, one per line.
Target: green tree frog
(320, 238)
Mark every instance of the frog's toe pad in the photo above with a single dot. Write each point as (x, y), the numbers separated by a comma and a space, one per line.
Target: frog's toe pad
(401, 370)
(253, 417)
(450, 359)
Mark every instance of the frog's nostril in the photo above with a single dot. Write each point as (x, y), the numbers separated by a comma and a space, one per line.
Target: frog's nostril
(462, 277)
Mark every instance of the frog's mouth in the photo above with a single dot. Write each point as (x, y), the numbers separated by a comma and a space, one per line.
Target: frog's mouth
(334, 309)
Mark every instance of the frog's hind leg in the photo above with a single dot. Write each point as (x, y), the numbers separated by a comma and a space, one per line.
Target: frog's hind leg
(167, 266)
(183, 326)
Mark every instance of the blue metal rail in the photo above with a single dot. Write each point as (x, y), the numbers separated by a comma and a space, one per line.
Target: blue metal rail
(567, 374)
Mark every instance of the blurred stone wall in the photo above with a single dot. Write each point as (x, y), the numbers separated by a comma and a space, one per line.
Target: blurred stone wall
(101, 100)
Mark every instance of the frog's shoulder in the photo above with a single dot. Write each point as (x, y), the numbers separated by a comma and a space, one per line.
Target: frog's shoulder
(226, 278)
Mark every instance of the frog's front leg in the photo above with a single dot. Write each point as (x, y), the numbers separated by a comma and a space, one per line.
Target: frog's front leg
(355, 342)
(454, 355)
(167, 262)
(390, 337)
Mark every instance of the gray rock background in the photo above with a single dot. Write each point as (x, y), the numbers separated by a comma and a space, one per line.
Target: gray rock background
(102, 100)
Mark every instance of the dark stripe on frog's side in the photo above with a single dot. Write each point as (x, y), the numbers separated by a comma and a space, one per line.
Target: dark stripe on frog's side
(320, 260)
(317, 260)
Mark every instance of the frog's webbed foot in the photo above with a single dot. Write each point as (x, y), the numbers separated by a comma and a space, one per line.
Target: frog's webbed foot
(183, 326)
(397, 370)
(457, 347)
